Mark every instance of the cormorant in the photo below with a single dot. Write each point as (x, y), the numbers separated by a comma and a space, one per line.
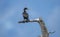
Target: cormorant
(25, 15)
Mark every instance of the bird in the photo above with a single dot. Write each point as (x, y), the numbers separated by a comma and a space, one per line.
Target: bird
(25, 14)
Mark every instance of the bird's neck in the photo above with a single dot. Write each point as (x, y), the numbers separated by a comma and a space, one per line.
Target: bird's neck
(24, 10)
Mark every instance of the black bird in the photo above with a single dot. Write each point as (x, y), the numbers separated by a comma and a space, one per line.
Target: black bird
(25, 15)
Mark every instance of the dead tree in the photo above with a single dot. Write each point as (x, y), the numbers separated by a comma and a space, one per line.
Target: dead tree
(42, 25)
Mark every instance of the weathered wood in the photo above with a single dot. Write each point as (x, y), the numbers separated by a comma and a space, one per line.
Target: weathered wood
(42, 25)
(43, 28)
(28, 21)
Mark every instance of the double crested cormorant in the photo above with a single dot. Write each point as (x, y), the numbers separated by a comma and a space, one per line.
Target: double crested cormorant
(25, 15)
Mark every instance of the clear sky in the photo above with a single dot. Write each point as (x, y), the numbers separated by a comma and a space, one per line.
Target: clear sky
(11, 13)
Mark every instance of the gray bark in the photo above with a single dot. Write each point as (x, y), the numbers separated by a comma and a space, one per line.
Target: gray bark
(42, 25)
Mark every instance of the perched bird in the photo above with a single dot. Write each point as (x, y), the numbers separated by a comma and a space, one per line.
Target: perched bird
(25, 15)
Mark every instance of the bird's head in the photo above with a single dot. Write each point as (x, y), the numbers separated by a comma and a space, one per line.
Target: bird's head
(25, 8)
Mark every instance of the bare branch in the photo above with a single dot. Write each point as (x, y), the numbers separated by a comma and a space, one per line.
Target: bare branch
(42, 25)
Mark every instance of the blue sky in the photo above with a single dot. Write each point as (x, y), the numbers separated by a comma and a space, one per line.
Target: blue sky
(11, 13)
